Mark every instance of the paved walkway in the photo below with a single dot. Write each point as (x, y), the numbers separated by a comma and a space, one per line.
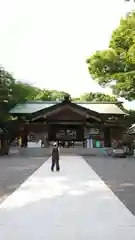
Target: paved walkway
(74, 204)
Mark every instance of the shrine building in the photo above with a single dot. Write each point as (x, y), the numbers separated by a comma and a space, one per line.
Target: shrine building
(71, 121)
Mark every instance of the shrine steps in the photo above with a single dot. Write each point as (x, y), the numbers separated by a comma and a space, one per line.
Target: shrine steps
(41, 152)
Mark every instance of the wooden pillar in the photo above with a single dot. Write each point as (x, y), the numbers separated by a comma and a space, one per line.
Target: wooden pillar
(107, 137)
(24, 136)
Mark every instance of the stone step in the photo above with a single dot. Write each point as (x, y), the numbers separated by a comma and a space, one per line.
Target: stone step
(41, 152)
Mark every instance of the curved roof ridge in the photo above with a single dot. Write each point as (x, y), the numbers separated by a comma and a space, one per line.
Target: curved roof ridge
(97, 102)
(77, 102)
(39, 101)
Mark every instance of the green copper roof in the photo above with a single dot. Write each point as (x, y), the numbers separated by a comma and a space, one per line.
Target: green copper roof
(103, 108)
(32, 107)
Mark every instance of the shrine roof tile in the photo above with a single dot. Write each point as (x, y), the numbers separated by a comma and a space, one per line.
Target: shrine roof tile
(35, 106)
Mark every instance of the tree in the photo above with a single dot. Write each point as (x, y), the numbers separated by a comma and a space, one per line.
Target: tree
(50, 95)
(116, 65)
(76, 99)
(131, 116)
(22, 92)
(6, 83)
(58, 95)
(97, 97)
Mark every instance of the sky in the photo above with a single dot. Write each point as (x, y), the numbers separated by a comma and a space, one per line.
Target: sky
(46, 42)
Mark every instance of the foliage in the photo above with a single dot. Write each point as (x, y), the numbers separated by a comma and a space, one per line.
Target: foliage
(6, 83)
(13, 92)
(22, 92)
(131, 116)
(76, 99)
(50, 95)
(116, 65)
(97, 97)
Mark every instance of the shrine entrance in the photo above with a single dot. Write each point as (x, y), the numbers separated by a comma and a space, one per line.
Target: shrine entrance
(65, 132)
(66, 135)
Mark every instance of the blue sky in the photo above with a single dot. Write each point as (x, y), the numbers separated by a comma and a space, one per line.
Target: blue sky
(46, 42)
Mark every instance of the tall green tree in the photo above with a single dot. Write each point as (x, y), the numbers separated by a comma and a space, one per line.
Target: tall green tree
(6, 83)
(115, 67)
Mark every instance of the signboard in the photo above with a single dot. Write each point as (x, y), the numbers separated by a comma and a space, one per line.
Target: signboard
(93, 131)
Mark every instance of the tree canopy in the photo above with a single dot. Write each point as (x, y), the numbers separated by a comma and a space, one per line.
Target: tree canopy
(50, 95)
(22, 92)
(6, 83)
(13, 92)
(97, 97)
(116, 65)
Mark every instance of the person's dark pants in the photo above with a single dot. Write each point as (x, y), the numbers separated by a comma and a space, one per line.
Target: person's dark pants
(55, 163)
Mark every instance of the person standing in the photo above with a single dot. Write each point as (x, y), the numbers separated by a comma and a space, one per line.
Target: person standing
(55, 158)
(19, 142)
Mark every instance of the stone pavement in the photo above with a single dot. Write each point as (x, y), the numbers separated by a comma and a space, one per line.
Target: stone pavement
(14, 171)
(119, 175)
(73, 204)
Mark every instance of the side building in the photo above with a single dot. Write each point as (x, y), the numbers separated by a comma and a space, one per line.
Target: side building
(71, 121)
